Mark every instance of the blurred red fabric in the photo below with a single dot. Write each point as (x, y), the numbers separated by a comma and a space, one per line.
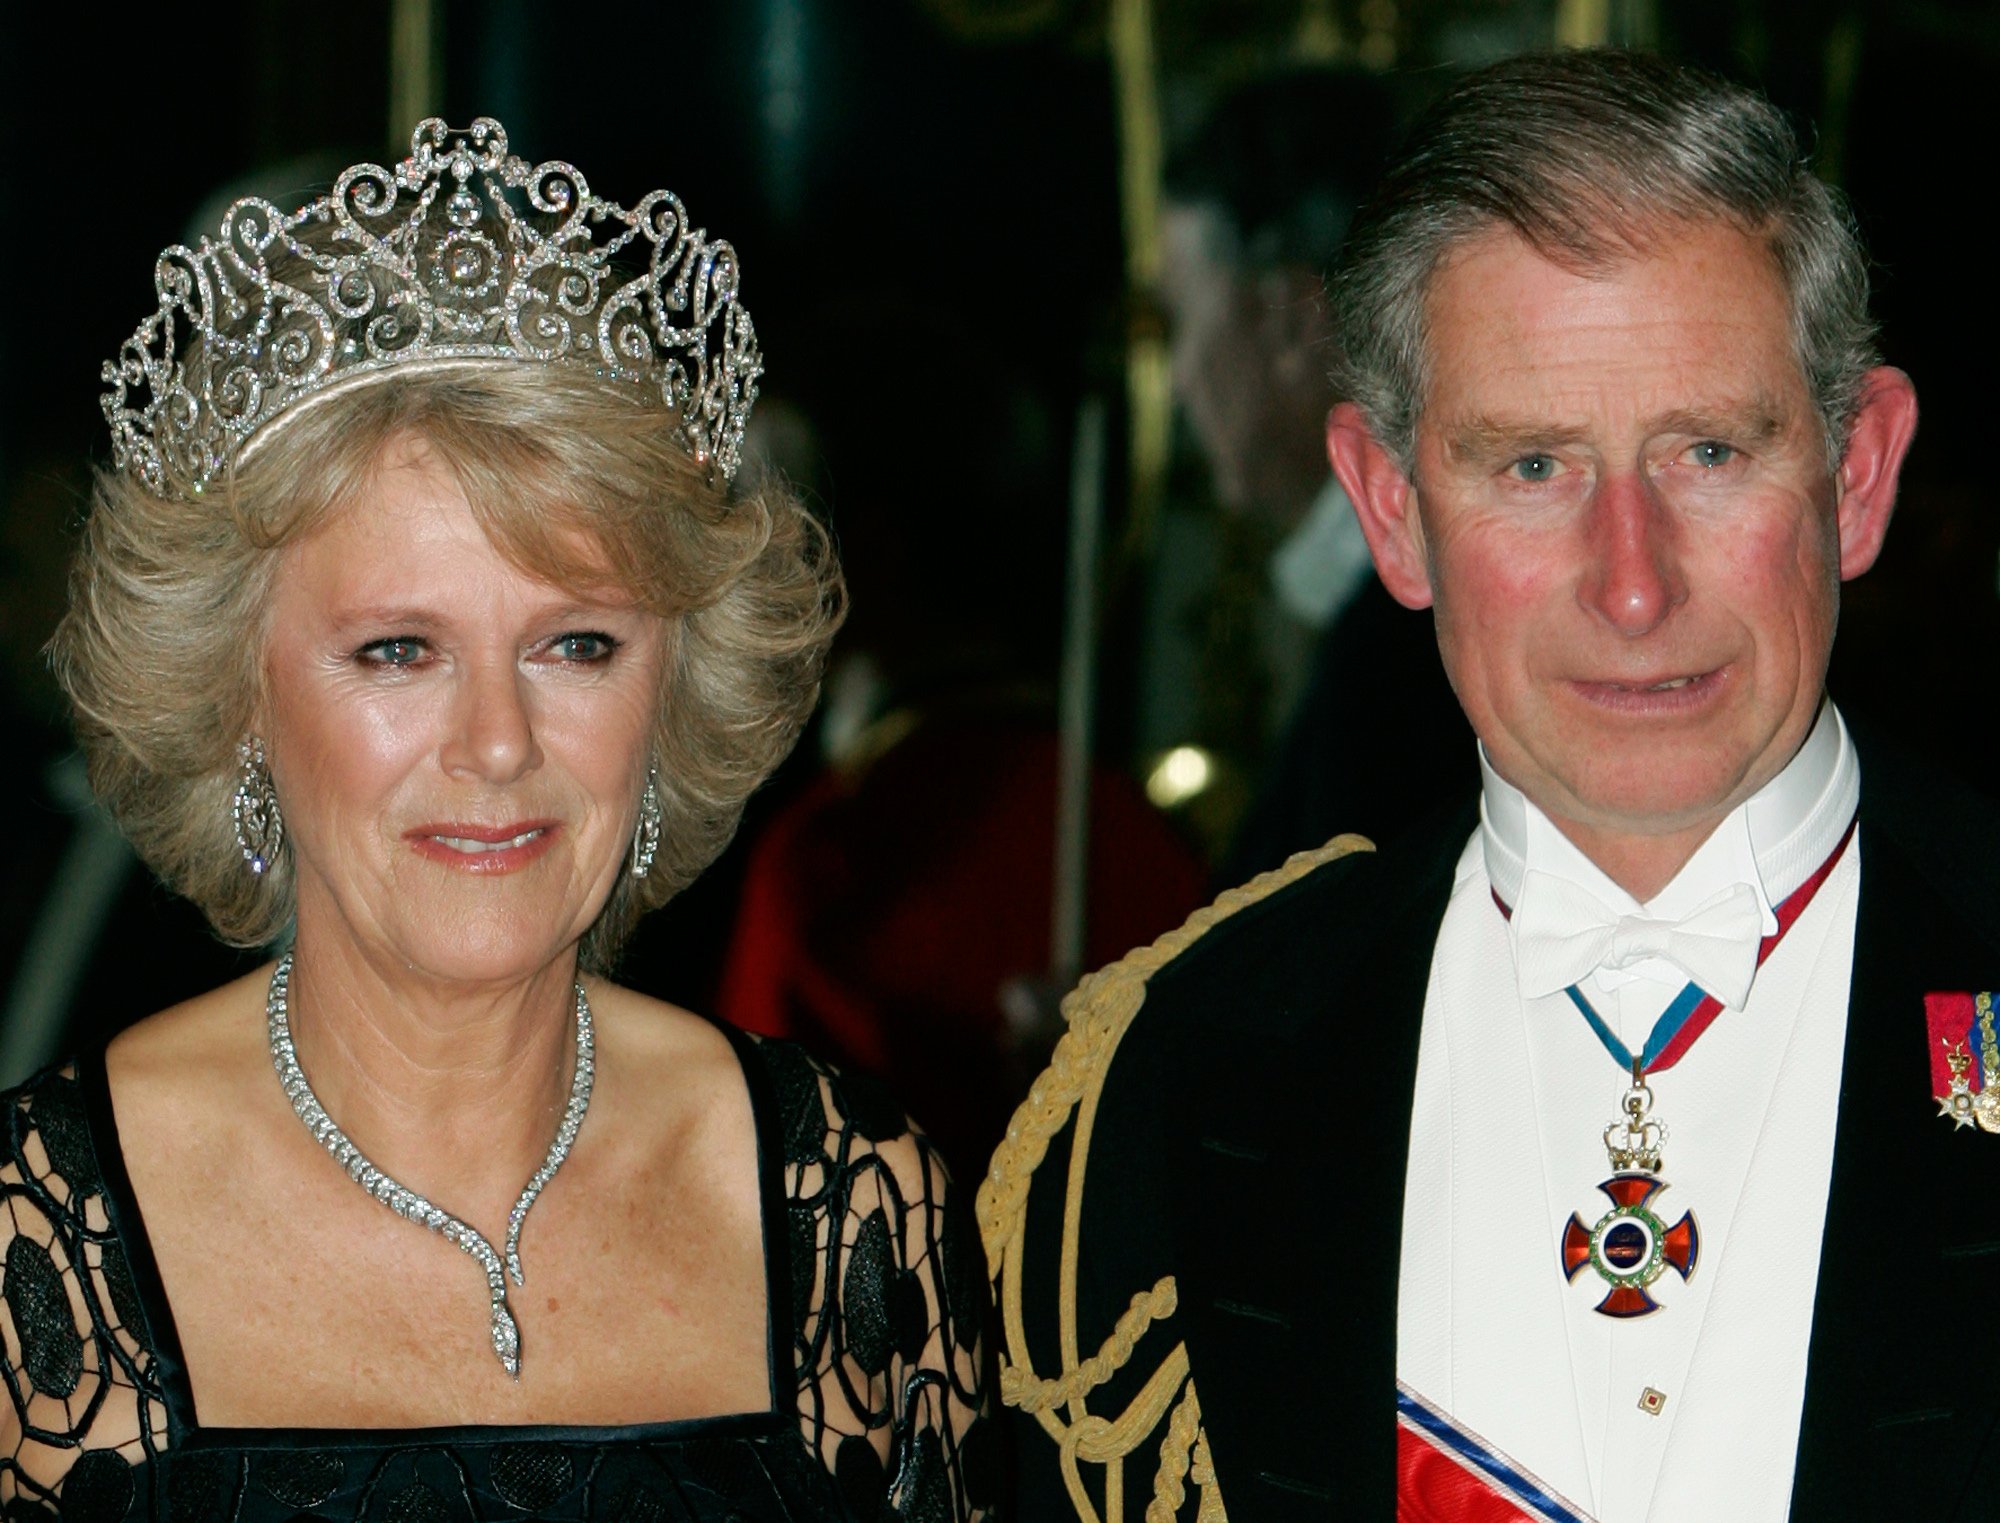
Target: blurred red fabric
(884, 915)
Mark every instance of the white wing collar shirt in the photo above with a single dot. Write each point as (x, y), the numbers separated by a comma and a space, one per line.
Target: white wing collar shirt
(1692, 1409)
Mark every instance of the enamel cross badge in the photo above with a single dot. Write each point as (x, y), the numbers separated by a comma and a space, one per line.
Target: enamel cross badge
(1631, 1245)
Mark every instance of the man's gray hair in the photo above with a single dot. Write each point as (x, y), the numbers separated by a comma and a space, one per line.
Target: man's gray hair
(1590, 157)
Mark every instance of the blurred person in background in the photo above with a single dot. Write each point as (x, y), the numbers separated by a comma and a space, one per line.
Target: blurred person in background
(418, 629)
(1256, 199)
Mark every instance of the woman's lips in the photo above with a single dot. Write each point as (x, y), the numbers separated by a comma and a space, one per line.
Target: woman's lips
(483, 849)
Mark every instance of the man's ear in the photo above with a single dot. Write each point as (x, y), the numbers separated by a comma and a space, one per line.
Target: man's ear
(1876, 444)
(1384, 501)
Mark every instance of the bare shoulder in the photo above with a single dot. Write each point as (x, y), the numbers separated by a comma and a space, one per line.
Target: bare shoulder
(670, 1088)
(673, 1059)
(658, 1039)
(688, 1080)
(183, 1054)
(193, 1078)
(201, 1037)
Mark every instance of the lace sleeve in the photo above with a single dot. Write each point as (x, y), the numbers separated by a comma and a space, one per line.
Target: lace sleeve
(889, 1302)
(83, 1407)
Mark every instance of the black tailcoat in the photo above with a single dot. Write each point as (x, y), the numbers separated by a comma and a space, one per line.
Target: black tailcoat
(1253, 1139)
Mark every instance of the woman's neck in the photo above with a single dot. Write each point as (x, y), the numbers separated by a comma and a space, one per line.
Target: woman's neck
(452, 1089)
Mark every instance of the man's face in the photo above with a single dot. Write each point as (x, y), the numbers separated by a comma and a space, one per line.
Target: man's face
(1248, 367)
(1624, 505)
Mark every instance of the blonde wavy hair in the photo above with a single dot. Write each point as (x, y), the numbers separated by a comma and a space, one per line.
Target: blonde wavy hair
(161, 651)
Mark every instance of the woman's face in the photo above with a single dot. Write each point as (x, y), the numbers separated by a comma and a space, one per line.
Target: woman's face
(458, 748)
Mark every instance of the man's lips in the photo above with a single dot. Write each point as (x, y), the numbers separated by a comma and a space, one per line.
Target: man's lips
(1665, 693)
(477, 847)
(1664, 685)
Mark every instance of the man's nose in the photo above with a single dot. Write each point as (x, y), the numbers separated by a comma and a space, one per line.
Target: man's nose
(1633, 579)
(492, 731)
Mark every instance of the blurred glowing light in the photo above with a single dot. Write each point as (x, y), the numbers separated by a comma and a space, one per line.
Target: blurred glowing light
(1179, 775)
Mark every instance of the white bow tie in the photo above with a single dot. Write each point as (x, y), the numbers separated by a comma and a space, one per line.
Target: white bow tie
(1563, 934)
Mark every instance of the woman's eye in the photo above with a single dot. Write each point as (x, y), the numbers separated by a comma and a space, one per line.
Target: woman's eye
(1534, 468)
(404, 650)
(582, 646)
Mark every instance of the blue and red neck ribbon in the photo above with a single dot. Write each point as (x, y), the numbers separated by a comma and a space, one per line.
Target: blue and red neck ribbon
(1693, 1010)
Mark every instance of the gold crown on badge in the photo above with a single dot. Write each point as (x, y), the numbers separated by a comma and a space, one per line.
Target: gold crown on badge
(462, 254)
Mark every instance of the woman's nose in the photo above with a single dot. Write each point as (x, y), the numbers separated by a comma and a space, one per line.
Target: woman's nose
(492, 733)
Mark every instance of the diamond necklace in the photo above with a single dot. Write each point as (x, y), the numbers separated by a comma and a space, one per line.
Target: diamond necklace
(407, 1203)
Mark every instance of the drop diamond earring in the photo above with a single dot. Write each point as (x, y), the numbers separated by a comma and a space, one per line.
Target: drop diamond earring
(646, 839)
(260, 826)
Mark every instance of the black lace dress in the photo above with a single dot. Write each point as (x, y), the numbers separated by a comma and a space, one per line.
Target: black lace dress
(876, 1303)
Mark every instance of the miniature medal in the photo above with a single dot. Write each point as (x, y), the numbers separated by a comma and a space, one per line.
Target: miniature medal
(1965, 1062)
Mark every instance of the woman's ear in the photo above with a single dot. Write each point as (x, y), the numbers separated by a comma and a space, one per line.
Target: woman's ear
(1384, 501)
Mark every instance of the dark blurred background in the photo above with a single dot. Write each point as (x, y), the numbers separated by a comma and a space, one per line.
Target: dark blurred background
(1035, 283)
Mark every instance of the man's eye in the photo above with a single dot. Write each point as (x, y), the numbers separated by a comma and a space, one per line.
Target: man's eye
(404, 650)
(1534, 468)
(1711, 453)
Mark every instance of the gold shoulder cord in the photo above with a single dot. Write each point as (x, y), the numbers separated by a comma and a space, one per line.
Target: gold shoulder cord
(1098, 1011)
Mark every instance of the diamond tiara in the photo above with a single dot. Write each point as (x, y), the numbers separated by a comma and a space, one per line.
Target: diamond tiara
(519, 263)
